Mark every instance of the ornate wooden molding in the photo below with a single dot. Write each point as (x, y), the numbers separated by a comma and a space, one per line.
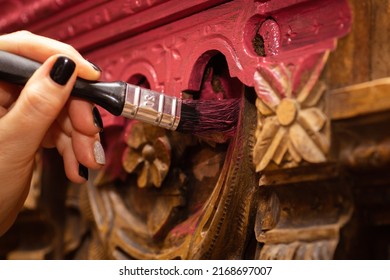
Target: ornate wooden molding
(293, 140)
(292, 126)
(369, 100)
(189, 217)
(277, 188)
(360, 99)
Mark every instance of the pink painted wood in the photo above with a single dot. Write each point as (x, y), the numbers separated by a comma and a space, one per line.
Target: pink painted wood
(168, 45)
(170, 42)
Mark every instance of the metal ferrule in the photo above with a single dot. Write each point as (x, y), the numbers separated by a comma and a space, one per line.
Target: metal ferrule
(152, 107)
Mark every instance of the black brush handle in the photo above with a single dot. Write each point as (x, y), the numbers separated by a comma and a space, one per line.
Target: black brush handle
(109, 95)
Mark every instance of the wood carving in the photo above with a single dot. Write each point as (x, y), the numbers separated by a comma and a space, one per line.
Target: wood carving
(296, 179)
(165, 223)
(34, 234)
(149, 151)
(291, 125)
(362, 151)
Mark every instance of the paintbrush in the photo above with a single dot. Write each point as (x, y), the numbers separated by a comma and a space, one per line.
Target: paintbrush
(198, 117)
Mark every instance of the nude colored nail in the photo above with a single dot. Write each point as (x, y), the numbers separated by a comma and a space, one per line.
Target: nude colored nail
(99, 153)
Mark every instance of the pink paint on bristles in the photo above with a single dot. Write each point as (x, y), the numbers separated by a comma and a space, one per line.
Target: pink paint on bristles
(208, 118)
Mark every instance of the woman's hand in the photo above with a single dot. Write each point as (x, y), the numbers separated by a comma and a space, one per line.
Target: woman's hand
(40, 115)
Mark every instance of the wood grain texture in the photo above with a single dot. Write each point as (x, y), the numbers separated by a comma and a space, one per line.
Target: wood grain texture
(357, 74)
(364, 54)
(318, 132)
(360, 99)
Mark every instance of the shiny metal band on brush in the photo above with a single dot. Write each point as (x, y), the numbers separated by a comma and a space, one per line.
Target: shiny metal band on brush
(152, 107)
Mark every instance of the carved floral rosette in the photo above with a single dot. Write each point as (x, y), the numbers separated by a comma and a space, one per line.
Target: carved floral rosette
(292, 125)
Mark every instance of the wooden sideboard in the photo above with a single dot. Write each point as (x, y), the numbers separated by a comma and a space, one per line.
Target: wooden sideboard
(305, 175)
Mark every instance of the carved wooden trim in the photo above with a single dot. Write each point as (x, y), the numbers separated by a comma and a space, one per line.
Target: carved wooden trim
(360, 99)
(276, 190)
(293, 132)
(292, 127)
(304, 226)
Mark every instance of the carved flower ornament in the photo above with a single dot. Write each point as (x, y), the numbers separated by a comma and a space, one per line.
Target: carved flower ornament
(148, 154)
(290, 122)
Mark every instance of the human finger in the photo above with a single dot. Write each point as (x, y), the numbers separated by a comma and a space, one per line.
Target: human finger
(71, 165)
(85, 117)
(40, 48)
(40, 102)
(8, 94)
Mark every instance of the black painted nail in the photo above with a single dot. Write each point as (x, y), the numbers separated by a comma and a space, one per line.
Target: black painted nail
(83, 171)
(97, 68)
(62, 70)
(97, 118)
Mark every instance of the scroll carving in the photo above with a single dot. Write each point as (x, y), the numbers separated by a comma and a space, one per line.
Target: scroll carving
(271, 191)
(169, 218)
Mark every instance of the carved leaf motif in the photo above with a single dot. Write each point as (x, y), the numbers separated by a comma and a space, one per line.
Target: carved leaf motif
(264, 139)
(310, 124)
(131, 160)
(305, 145)
(143, 178)
(135, 135)
(169, 49)
(263, 109)
(271, 149)
(157, 174)
(281, 150)
(163, 150)
(152, 132)
(279, 78)
(293, 152)
(176, 55)
(265, 91)
(313, 78)
(159, 171)
(315, 95)
(314, 118)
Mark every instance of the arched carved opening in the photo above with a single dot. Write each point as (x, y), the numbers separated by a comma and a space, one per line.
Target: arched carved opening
(211, 79)
(139, 80)
(166, 195)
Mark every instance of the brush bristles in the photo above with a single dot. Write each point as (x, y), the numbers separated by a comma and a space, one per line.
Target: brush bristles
(206, 117)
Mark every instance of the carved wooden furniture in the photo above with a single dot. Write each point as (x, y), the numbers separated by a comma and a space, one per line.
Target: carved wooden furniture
(305, 175)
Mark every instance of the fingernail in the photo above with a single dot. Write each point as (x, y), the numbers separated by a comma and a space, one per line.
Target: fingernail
(98, 152)
(83, 171)
(97, 68)
(97, 118)
(62, 70)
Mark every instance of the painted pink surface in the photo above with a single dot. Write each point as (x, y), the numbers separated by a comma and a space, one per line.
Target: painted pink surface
(172, 57)
(209, 48)
(170, 42)
(168, 45)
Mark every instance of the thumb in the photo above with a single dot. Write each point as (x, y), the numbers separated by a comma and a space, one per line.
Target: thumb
(39, 103)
